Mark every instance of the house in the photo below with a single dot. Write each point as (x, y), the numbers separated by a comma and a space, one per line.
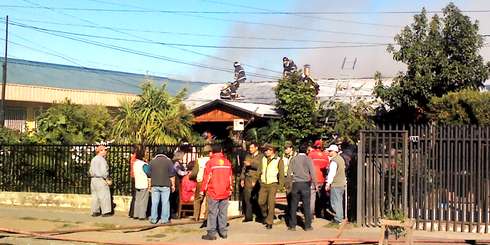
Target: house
(256, 104)
(34, 86)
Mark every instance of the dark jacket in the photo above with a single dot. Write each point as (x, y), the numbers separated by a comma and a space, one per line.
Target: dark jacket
(162, 169)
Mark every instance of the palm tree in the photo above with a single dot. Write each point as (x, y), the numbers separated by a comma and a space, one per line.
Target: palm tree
(156, 117)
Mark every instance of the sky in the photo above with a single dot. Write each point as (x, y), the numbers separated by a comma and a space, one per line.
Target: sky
(189, 40)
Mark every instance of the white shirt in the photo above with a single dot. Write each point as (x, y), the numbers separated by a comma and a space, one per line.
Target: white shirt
(332, 171)
(201, 162)
(140, 178)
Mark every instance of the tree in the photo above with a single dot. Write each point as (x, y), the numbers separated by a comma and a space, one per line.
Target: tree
(272, 133)
(68, 123)
(463, 107)
(296, 101)
(10, 136)
(156, 117)
(349, 119)
(441, 56)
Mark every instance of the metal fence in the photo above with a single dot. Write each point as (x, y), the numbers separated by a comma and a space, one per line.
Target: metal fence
(438, 176)
(64, 168)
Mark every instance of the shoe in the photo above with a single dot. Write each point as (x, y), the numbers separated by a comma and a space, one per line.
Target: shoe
(107, 215)
(260, 220)
(224, 236)
(291, 228)
(166, 222)
(204, 224)
(309, 228)
(268, 226)
(95, 214)
(208, 237)
(153, 222)
(246, 220)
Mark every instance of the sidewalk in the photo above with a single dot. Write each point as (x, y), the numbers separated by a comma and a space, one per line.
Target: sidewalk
(46, 219)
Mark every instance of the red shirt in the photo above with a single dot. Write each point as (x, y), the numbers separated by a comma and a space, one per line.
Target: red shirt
(188, 188)
(320, 163)
(217, 179)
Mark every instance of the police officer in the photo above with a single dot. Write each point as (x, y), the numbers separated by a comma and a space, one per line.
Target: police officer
(249, 179)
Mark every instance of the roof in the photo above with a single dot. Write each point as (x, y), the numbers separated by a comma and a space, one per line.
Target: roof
(262, 95)
(81, 78)
(259, 110)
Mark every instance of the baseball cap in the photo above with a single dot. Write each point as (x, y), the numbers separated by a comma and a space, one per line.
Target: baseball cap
(333, 148)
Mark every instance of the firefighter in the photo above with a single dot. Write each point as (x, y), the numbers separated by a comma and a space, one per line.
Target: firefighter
(288, 67)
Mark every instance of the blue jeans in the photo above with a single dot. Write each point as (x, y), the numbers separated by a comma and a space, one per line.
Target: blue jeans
(336, 198)
(160, 193)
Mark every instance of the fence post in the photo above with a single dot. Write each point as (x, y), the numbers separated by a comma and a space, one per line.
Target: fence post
(405, 173)
(360, 182)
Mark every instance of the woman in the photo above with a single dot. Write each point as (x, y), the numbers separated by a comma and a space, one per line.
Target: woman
(142, 185)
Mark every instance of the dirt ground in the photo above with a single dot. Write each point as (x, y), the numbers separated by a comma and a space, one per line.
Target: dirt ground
(39, 219)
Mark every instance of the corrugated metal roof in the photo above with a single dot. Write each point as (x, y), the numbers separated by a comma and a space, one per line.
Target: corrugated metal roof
(73, 77)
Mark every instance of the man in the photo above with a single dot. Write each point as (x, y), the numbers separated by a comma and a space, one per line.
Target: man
(321, 163)
(162, 183)
(99, 187)
(217, 185)
(271, 178)
(289, 153)
(336, 182)
(249, 179)
(288, 67)
(197, 174)
(301, 174)
(239, 73)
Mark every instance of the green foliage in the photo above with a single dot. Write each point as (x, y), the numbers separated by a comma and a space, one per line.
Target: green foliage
(9, 136)
(464, 107)
(350, 119)
(68, 123)
(156, 117)
(442, 55)
(272, 133)
(297, 103)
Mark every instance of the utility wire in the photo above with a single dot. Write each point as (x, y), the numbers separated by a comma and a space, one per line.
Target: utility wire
(304, 15)
(197, 45)
(169, 59)
(256, 23)
(237, 12)
(193, 34)
(179, 48)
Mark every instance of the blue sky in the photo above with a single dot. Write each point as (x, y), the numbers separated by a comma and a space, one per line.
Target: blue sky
(215, 30)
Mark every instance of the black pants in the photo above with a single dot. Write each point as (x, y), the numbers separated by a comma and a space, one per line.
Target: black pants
(300, 191)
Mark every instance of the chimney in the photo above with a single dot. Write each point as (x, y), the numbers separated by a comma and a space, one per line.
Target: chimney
(307, 70)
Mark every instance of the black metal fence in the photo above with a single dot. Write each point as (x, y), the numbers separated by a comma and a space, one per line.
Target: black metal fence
(64, 168)
(439, 176)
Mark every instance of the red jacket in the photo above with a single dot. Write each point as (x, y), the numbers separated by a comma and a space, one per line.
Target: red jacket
(320, 162)
(217, 179)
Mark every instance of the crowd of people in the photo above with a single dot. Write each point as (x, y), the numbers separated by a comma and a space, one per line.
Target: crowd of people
(310, 175)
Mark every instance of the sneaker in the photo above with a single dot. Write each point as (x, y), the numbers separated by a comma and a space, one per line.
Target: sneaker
(95, 214)
(166, 222)
(208, 237)
(291, 228)
(153, 222)
(224, 236)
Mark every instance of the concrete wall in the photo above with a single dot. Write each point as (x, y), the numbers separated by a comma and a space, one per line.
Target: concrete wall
(36, 199)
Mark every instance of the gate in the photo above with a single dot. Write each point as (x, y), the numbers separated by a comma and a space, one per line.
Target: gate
(381, 175)
(438, 176)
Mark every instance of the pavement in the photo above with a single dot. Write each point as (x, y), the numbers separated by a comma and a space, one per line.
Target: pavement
(38, 219)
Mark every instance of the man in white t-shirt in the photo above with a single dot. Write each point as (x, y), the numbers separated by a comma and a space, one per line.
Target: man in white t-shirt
(197, 174)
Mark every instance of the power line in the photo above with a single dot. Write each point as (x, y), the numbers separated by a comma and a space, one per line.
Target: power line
(198, 45)
(179, 48)
(307, 16)
(237, 12)
(194, 34)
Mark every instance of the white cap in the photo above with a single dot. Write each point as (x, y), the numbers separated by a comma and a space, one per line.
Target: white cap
(333, 148)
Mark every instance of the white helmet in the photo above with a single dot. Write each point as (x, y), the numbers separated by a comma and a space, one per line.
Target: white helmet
(236, 64)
